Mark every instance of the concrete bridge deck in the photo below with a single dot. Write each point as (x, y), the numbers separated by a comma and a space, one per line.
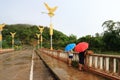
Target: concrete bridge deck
(13, 61)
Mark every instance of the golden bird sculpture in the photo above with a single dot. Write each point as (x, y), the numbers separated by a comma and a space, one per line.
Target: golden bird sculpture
(41, 29)
(1, 26)
(38, 35)
(51, 10)
(13, 34)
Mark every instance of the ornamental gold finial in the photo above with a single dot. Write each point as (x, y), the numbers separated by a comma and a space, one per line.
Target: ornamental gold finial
(38, 35)
(1, 26)
(51, 10)
(13, 34)
(41, 29)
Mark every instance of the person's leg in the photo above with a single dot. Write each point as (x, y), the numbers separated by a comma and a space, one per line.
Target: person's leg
(69, 62)
(80, 66)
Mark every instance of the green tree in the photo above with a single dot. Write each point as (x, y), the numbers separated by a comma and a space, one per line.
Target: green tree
(111, 35)
(72, 38)
(26, 35)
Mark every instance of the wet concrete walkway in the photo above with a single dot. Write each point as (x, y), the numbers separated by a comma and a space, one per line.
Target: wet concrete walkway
(15, 65)
(64, 72)
(40, 71)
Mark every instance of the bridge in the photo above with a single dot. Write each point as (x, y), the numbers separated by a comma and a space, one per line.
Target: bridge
(45, 64)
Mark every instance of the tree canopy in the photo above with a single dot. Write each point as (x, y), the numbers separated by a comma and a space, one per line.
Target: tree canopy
(109, 40)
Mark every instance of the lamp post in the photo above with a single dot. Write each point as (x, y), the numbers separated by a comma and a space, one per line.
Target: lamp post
(50, 14)
(38, 36)
(13, 35)
(51, 33)
(1, 28)
(41, 28)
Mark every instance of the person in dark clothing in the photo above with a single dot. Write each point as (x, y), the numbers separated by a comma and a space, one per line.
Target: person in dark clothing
(81, 60)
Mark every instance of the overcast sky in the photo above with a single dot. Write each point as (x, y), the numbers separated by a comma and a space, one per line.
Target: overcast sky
(78, 17)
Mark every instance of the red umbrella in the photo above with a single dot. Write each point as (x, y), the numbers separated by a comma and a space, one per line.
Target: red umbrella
(82, 46)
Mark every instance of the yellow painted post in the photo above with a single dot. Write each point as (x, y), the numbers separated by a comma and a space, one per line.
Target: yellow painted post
(51, 29)
(51, 34)
(51, 11)
(13, 35)
(38, 36)
(41, 31)
(1, 29)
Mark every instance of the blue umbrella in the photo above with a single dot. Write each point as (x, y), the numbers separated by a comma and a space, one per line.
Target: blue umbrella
(70, 47)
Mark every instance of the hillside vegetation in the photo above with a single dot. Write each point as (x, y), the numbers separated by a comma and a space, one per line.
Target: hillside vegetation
(109, 40)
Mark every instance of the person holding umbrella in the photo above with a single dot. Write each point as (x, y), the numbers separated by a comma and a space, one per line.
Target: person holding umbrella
(68, 49)
(82, 56)
(82, 59)
(81, 48)
(70, 56)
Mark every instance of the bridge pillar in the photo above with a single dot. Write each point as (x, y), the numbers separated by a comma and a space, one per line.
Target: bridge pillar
(114, 65)
(90, 61)
(107, 64)
(96, 62)
(119, 67)
(101, 63)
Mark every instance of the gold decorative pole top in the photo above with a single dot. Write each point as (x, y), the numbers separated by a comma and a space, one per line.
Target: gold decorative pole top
(1, 26)
(41, 29)
(12, 34)
(51, 10)
(38, 35)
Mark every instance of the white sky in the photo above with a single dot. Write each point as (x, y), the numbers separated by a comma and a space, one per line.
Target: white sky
(78, 17)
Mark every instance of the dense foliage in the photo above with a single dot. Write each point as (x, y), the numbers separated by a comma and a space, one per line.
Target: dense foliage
(26, 35)
(111, 35)
(109, 40)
